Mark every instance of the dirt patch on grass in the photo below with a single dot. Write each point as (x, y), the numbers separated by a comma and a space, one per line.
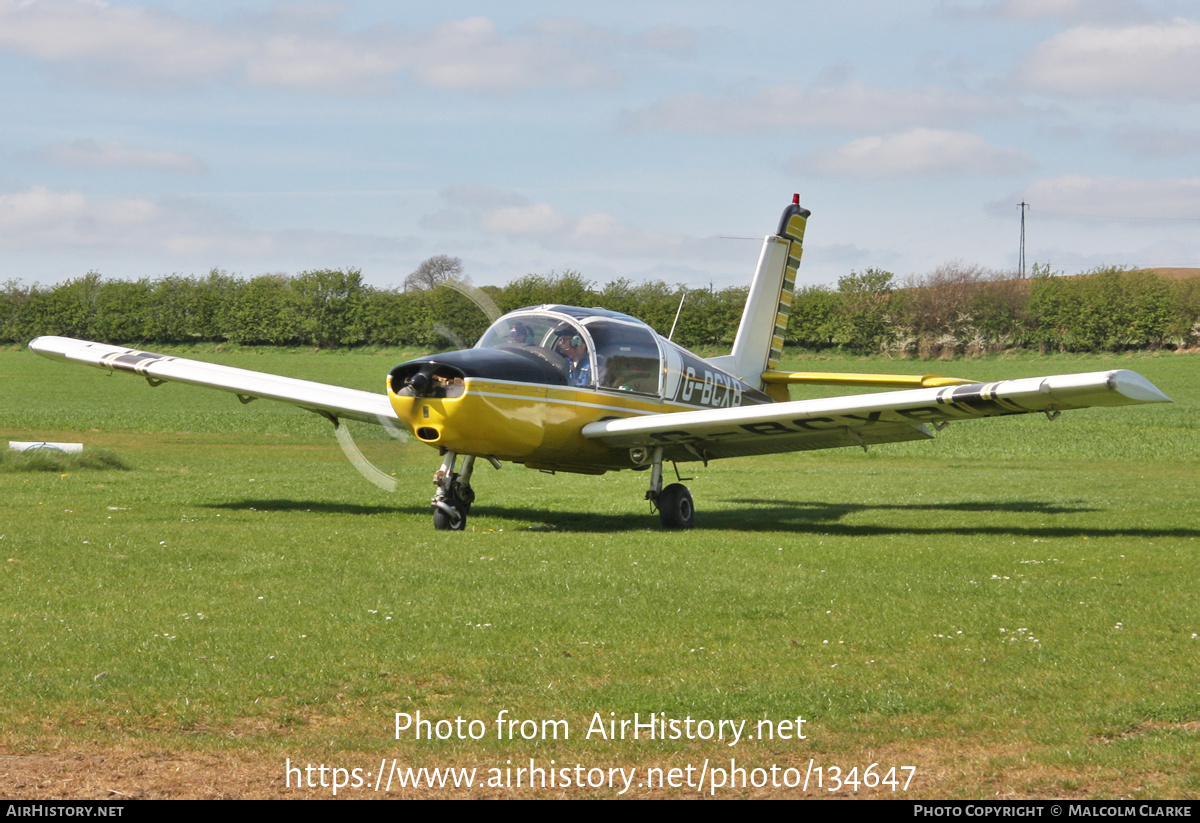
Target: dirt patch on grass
(122, 774)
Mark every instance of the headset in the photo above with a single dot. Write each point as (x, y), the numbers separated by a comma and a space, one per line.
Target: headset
(576, 341)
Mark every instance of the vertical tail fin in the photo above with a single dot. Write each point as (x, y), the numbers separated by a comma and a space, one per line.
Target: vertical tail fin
(759, 342)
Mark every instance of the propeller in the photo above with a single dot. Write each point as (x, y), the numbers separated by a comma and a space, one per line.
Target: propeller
(419, 383)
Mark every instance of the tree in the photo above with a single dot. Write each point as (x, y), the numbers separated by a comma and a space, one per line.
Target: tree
(264, 312)
(864, 313)
(813, 322)
(69, 309)
(123, 311)
(434, 272)
(330, 304)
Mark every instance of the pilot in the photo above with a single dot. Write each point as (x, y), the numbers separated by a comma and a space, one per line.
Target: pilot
(570, 345)
(520, 335)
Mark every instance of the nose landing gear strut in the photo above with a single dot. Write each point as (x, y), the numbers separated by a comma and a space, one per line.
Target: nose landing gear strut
(454, 496)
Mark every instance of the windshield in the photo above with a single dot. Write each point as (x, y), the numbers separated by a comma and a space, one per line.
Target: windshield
(603, 350)
(524, 330)
(552, 338)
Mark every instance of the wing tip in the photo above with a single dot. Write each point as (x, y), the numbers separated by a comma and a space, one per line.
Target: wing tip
(49, 346)
(1137, 388)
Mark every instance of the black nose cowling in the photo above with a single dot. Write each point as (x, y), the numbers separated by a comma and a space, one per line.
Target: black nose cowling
(442, 375)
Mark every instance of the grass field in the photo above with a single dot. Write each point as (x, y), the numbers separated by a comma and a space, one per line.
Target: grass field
(1010, 610)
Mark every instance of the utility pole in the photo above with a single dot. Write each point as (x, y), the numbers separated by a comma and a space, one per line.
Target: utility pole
(1021, 257)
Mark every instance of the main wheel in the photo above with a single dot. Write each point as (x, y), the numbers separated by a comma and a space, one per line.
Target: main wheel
(675, 508)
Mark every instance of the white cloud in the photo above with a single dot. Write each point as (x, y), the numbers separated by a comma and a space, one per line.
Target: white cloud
(539, 220)
(1115, 198)
(1032, 9)
(40, 219)
(127, 41)
(303, 48)
(579, 32)
(474, 195)
(605, 234)
(1151, 142)
(90, 154)
(1159, 60)
(1055, 9)
(849, 105)
(467, 202)
(472, 55)
(597, 232)
(667, 38)
(511, 217)
(917, 152)
(43, 218)
(330, 64)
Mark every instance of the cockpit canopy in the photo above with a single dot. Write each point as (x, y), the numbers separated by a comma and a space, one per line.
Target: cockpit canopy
(591, 348)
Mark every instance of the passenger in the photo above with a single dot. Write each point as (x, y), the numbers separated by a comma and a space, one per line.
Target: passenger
(520, 335)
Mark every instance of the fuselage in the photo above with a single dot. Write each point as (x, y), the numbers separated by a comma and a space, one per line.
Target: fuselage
(539, 374)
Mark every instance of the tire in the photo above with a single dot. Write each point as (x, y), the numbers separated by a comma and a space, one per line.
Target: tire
(675, 508)
(443, 521)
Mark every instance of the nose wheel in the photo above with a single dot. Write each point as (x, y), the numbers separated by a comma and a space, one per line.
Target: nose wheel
(454, 496)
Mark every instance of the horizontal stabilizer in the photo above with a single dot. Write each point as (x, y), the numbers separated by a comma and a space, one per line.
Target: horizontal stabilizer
(891, 381)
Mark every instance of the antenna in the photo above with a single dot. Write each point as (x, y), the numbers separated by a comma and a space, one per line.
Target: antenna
(1021, 257)
(682, 297)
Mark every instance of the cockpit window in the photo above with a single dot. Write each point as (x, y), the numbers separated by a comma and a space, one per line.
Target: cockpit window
(627, 353)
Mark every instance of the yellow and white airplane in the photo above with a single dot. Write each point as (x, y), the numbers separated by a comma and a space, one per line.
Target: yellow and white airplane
(564, 388)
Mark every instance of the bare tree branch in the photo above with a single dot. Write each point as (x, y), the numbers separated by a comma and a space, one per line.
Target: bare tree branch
(434, 272)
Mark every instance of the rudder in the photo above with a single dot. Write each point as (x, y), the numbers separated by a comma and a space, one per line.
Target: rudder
(758, 346)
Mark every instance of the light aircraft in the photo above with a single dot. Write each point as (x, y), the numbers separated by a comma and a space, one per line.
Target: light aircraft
(570, 389)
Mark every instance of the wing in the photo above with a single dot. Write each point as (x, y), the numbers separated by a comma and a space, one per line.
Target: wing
(864, 419)
(331, 401)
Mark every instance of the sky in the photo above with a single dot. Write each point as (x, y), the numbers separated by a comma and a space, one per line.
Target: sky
(648, 141)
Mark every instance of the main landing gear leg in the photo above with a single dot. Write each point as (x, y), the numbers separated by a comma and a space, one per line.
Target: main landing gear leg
(454, 496)
(674, 503)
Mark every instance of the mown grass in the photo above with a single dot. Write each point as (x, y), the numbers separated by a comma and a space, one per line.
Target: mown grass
(1013, 607)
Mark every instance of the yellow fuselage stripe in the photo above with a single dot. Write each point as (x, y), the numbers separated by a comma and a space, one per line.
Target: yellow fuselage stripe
(526, 422)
